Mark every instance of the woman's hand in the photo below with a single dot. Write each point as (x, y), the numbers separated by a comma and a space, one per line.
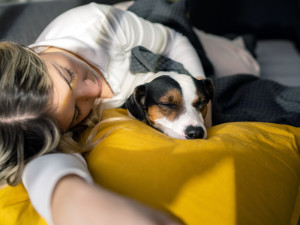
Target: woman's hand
(76, 202)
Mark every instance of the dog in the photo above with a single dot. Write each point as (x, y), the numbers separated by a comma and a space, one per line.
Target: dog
(174, 104)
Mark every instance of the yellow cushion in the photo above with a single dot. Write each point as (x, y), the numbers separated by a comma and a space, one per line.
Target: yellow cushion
(244, 173)
(15, 207)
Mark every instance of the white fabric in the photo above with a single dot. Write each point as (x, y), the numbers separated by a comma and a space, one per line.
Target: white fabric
(105, 35)
(228, 56)
(42, 174)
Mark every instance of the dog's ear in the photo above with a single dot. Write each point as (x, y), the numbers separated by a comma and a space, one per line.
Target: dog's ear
(208, 87)
(136, 102)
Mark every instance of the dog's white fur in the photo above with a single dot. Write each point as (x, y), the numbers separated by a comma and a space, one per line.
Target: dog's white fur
(190, 116)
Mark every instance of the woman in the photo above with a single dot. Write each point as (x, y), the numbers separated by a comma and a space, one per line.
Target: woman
(82, 56)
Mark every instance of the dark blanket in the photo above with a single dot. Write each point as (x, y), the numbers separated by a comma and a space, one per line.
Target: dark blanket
(249, 98)
(143, 61)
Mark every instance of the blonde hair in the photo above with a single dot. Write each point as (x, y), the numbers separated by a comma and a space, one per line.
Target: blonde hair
(70, 141)
(82, 138)
(26, 130)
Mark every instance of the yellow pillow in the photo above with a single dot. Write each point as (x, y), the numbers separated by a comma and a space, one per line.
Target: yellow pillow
(16, 209)
(244, 173)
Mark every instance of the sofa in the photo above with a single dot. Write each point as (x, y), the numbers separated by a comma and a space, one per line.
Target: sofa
(244, 173)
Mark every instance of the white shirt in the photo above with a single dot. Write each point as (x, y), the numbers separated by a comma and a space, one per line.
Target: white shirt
(104, 36)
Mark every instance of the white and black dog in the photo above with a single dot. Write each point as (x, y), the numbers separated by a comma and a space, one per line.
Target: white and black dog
(175, 104)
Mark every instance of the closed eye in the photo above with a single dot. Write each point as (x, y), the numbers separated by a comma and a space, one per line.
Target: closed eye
(169, 105)
(197, 104)
(200, 105)
(70, 73)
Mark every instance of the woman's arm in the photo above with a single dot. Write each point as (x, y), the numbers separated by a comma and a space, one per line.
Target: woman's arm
(62, 191)
(76, 202)
(158, 39)
(108, 34)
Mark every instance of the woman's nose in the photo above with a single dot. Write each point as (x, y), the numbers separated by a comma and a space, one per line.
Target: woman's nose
(88, 89)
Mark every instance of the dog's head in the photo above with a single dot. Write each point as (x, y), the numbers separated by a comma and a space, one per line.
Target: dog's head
(175, 104)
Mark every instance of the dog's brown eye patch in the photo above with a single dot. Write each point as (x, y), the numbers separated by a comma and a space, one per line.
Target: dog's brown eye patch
(197, 102)
(200, 103)
(168, 106)
(204, 111)
(154, 113)
(172, 96)
(172, 99)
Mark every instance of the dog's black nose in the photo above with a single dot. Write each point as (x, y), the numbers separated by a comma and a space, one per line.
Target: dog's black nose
(192, 132)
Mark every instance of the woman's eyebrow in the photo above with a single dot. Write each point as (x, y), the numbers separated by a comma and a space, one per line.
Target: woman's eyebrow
(60, 73)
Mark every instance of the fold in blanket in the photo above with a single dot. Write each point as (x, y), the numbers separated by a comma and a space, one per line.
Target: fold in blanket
(142, 61)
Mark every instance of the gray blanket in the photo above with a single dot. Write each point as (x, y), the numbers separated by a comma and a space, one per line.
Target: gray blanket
(248, 98)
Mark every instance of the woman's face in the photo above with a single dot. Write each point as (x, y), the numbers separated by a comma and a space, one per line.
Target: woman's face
(76, 86)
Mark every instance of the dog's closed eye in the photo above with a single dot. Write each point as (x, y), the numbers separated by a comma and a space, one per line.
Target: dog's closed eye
(200, 105)
(165, 109)
(197, 103)
(169, 105)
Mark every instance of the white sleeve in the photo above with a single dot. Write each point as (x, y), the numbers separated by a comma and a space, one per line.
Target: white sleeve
(182, 51)
(158, 39)
(42, 174)
(104, 34)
